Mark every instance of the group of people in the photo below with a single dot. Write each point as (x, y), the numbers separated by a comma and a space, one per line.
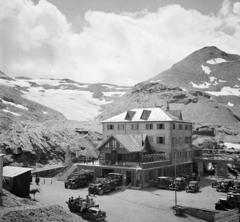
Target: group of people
(82, 203)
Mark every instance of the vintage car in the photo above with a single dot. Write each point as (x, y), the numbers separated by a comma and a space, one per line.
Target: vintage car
(225, 185)
(236, 187)
(86, 208)
(117, 177)
(101, 188)
(192, 187)
(79, 179)
(163, 182)
(216, 182)
(178, 184)
(94, 214)
(232, 201)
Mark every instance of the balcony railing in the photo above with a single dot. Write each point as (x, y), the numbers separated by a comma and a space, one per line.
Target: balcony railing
(155, 164)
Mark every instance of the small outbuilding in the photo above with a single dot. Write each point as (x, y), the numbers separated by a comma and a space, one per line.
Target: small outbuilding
(17, 180)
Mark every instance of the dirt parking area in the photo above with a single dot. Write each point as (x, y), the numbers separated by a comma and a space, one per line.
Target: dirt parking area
(127, 205)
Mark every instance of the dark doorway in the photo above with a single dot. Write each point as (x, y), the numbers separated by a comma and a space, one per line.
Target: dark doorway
(106, 171)
(128, 177)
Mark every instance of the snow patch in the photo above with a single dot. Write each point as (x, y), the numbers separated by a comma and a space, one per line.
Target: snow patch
(44, 112)
(230, 104)
(13, 113)
(204, 85)
(14, 104)
(232, 145)
(108, 86)
(153, 81)
(115, 93)
(121, 88)
(206, 69)
(212, 78)
(73, 104)
(216, 61)
(221, 80)
(226, 91)
(15, 82)
(51, 82)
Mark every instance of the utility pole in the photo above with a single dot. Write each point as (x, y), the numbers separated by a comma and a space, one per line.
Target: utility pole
(175, 175)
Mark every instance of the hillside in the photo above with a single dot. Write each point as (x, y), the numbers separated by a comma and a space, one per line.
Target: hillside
(32, 133)
(76, 101)
(208, 69)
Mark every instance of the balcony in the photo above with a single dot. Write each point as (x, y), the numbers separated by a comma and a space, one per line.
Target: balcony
(155, 164)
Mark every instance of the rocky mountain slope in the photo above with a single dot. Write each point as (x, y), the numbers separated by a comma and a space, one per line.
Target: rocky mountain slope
(208, 69)
(33, 133)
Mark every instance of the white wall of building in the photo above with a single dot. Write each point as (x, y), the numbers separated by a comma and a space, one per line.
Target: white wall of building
(174, 138)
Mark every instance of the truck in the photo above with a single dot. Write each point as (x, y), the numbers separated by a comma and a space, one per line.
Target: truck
(192, 187)
(117, 177)
(79, 179)
(225, 185)
(236, 187)
(105, 184)
(232, 201)
(163, 182)
(86, 208)
(178, 184)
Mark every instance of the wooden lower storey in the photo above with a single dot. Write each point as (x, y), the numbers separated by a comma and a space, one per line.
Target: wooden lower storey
(137, 177)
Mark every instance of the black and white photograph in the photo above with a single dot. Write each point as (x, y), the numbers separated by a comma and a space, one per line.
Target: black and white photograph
(119, 110)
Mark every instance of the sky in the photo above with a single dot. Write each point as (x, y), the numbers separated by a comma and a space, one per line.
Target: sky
(122, 42)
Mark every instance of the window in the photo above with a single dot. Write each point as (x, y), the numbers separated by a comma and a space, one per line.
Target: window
(186, 127)
(160, 140)
(174, 140)
(173, 126)
(150, 138)
(135, 126)
(160, 126)
(130, 115)
(121, 127)
(180, 140)
(149, 126)
(187, 140)
(180, 126)
(145, 114)
(110, 127)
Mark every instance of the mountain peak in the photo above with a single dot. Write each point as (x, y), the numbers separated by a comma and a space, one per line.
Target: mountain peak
(208, 68)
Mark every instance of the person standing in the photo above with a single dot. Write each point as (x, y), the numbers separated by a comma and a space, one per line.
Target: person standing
(37, 180)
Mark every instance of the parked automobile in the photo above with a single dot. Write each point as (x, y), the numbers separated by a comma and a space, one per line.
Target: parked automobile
(79, 179)
(232, 201)
(192, 187)
(178, 184)
(225, 185)
(117, 177)
(216, 182)
(86, 208)
(236, 187)
(163, 182)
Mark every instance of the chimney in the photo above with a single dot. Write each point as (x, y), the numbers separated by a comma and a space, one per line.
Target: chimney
(167, 108)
